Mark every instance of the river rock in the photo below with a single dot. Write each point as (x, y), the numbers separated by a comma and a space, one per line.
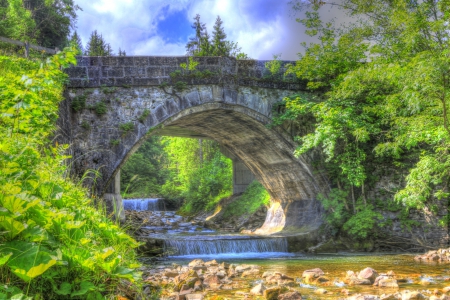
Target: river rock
(249, 273)
(388, 283)
(212, 281)
(396, 296)
(194, 297)
(196, 262)
(211, 263)
(363, 297)
(273, 292)
(258, 289)
(368, 273)
(352, 279)
(321, 291)
(412, 295)
(314, 272)
(290, 296)
(170, 274)
(446, 289)
(242, 268)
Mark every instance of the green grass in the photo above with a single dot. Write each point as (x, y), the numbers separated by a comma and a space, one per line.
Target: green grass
(251, 200)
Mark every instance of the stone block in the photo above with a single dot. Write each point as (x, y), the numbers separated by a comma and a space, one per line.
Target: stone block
(141, 61)
(146, 81)
(125, 81)
(155, 71)
(115, 72)
(76, 72)
(95, 61)
(134, 71)
(125, 61)
(110, 61)
(93, 72)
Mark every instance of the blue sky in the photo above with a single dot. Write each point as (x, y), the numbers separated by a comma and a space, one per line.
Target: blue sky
(156, 27)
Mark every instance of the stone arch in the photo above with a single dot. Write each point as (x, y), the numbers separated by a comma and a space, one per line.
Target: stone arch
(234, 117)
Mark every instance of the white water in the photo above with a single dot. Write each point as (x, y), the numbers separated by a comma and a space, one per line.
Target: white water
(142, 204)
(227, 248)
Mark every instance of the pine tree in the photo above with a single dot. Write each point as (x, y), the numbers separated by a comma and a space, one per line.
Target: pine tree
(75, 41)
(218, 39)
(97, 46)
(122, 53)
(194, 45)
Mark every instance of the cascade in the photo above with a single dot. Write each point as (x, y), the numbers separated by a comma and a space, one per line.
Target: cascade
(143, 204)
(221, 245)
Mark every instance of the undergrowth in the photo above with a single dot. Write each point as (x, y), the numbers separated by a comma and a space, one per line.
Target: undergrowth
(54, 244)
(251, 200)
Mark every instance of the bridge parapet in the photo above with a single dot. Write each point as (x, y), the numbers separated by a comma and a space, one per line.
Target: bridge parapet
(130, 71)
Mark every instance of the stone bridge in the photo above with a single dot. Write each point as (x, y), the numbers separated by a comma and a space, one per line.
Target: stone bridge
(114, 103)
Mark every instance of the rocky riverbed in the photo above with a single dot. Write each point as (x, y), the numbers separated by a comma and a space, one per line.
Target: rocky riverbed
(213, 279)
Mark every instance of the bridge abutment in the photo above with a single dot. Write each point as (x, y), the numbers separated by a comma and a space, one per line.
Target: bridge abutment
(113, 199)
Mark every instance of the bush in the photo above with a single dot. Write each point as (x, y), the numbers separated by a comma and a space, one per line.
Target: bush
(54, 243)
(249, 202)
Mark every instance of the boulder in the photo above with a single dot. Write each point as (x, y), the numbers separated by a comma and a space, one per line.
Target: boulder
(212, 281)
(368, 273)
(290, 296)
(388, 283)
(412, 295)
(273, 292)
(258, 289)
(314, 272)
(391, 297)
(196, 262)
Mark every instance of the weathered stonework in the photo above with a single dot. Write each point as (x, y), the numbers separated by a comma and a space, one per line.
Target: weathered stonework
(232, 106)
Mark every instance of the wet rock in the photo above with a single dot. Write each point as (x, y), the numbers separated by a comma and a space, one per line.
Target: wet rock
(290, 296)
(388, 283)
(196, 262)
(412, 295)
(212, 281)
(314, 272)
(321, 291)
(249, 273)
(273, 293)
(194, 297)
(242, 268)
(363, 297)
(446, 289)
(170, 274)
(211, 263)
(352, 279)
(368, 273)
(396, 296)
(258, 289)
(267, 273)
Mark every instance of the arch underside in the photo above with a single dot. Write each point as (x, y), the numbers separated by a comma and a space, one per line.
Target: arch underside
(268, 153)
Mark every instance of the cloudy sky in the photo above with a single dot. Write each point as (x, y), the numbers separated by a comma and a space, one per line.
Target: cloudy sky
(160, 27)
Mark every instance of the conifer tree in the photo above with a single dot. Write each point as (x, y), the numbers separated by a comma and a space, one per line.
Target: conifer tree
(194, 45)
(122, 53)
(218, 39)
(97, 46)
(75, 40)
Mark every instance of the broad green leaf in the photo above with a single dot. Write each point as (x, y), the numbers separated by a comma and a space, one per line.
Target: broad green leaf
(4, 258)
(12, 226)
(107, 252)
(85, 286)
(64, 289)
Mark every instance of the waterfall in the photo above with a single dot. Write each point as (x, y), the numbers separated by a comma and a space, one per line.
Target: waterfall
(221, 246)
(142, 204)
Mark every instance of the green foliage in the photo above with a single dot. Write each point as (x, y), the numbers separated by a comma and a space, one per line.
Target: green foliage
(199, 173)
(274, 66)
(54, 242)
(100, 108)
(362, 224)
(97, 46)
(144, 115)
(75, 41)
(85, 125)
(78, 103)
(46, 23)
(145, 171)
(180, 86)
(203, 45)
(126, 127)
(381, 96)
(115, 142)
(190, 66)
(249, 202)
(108, 90)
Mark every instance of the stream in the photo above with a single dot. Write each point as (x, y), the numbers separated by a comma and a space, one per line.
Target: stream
(184, 241)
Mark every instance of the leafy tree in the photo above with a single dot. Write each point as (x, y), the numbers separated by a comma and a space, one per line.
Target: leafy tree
(97, 46)
(381, 96)
(53, 20)
(145, 172)
(15, 21)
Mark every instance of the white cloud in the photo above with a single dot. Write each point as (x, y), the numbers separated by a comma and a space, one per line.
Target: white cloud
(261, 28)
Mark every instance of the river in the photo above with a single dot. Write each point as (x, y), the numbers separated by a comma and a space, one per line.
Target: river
(184, 242)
